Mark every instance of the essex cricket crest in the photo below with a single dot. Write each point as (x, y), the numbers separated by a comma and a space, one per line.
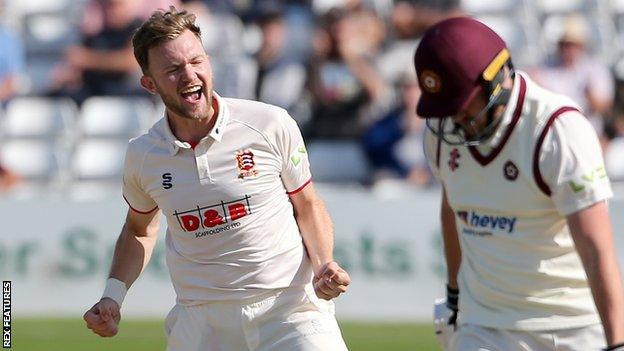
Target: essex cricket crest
(245, 163)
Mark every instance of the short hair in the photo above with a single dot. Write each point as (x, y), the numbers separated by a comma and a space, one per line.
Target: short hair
(160, 27)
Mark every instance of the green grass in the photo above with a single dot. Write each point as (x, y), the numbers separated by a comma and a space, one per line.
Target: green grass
(148, 335)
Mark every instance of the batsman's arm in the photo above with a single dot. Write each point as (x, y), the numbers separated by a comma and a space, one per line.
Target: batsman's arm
(452, 250)
(135, 245)
(593, 237)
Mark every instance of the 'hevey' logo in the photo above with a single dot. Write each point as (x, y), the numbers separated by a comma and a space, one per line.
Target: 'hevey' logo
(477, 220)
(223, 214)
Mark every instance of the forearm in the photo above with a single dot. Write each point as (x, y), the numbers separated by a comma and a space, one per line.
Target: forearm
(131, 256)
(120, 60)
(593, 238)
(452, 249)
(317, 231)
(606, 285)
(367, 75)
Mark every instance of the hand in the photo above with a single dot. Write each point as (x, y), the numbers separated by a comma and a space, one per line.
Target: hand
(103, 318)
(331, 281)
(445, 317)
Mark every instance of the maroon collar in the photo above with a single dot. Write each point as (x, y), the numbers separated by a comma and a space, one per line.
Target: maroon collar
(485, 159)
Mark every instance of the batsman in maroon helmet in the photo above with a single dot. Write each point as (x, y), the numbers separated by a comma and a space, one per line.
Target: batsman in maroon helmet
(527, 236)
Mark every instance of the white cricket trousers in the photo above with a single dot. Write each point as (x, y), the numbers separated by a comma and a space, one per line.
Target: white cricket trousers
(291, 319)
(470, 337)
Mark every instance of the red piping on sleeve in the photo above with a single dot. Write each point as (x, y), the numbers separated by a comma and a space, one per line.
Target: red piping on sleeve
(299, 188)
(537, 175)
(135, 210)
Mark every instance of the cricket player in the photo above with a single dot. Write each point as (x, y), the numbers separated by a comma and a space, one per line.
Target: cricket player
(249, 242)
(525, 222)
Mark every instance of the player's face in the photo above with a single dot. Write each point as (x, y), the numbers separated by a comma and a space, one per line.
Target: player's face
(473, 119)
(179, 71)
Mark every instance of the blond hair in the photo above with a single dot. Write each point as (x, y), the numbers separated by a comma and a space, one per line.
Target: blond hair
(160, 27)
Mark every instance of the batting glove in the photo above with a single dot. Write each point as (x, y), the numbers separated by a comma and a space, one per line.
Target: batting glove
(615, 347)
(445, 317)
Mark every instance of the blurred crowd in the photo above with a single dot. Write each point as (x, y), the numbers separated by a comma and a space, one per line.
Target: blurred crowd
(342, 68)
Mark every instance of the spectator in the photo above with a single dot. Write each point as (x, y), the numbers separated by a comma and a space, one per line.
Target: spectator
(345, 85)
(280, 78)
(11, 64)
(575, 73)
(394, 143)
(103, 63)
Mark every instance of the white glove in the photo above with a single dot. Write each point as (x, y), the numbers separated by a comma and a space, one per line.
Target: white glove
(445, 317)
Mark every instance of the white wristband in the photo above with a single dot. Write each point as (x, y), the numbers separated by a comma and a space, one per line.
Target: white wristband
(115, 290)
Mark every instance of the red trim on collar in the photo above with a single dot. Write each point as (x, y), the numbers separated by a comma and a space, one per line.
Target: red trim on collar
(299, 188)
(485, 159)
(135, 210)
(537, 175)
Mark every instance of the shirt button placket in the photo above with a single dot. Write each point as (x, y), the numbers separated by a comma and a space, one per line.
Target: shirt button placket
(203, 169)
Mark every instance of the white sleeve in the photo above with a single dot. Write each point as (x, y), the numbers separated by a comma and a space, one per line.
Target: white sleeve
(295, 165)
(430, 146)
(571, 164)
(133, 192)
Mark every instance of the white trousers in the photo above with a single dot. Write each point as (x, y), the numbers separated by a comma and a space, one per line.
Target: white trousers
(471, 337)
(292, 319)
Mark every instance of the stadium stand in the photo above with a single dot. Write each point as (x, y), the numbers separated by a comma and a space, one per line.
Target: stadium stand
(77, 152)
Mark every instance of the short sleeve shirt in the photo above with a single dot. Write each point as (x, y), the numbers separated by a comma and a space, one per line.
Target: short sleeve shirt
(231, 231)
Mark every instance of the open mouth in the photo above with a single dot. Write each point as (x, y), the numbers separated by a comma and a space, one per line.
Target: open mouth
(192, 94)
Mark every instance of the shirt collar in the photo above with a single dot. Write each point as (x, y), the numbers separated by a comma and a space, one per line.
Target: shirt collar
(215, 133)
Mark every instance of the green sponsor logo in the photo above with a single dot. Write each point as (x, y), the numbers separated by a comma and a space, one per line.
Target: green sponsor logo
(576, 187)
(588, 179)
(296, 158)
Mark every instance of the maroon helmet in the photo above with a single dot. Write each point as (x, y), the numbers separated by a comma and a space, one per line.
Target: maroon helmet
(456, 60)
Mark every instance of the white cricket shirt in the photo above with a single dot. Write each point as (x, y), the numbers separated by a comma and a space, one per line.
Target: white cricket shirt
(520, 269)
(231, 231)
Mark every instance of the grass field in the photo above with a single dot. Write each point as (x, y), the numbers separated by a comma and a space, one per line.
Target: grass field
(148, 335)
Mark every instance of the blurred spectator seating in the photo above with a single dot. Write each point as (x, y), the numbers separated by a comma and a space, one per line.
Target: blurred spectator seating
(11, 64)
(39, 118)
(103, 62)
(563, 6)
(347, 88)
(96, 169)
(39, 163)
(576, 72)
(394, 143)
(338, 162)
(115, 117)
(279, 77)
(515, 35)
(479, 7)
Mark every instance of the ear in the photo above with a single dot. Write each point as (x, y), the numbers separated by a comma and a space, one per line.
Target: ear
(148, 84)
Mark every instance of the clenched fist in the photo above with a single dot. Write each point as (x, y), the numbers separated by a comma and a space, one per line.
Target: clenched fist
(103, 318)
(331, 281)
